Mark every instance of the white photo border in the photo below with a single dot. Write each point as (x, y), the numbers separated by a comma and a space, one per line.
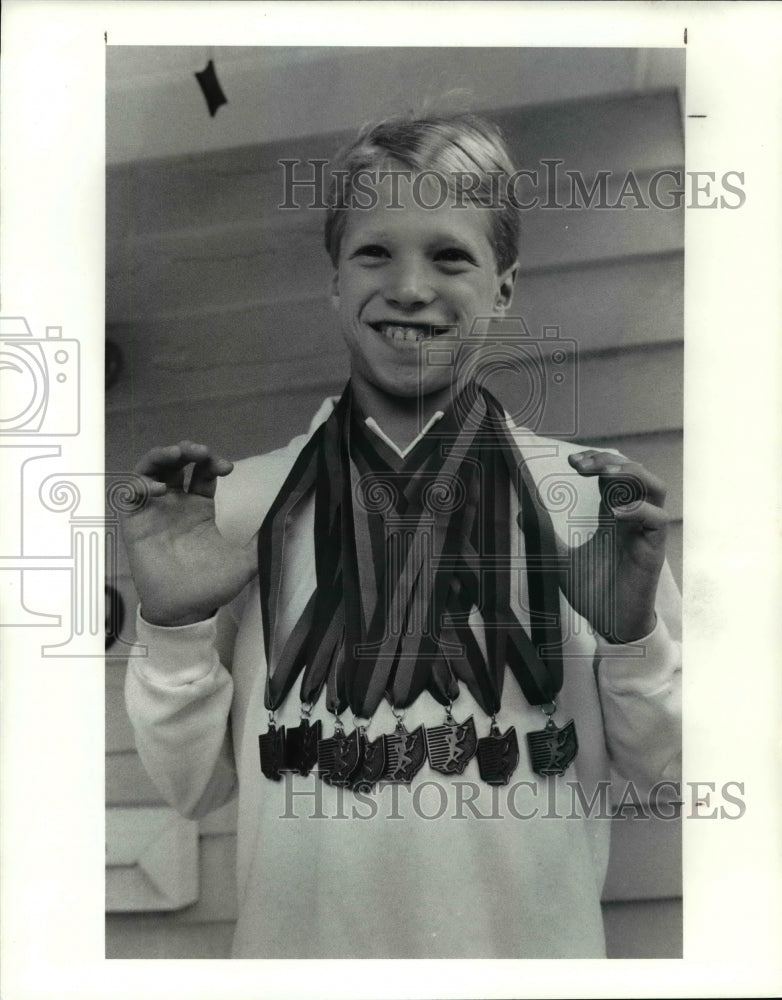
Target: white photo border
(52, 253)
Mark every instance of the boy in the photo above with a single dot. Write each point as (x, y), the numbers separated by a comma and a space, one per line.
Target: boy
(408, 575)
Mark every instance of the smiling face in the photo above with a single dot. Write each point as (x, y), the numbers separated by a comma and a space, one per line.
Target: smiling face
(404, 272)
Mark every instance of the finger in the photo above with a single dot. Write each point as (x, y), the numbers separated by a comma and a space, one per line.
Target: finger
(592, 461)
(166, 464)
(632, 477)
(643, 514)
(636, 480)
(171, 456)
(205, 475)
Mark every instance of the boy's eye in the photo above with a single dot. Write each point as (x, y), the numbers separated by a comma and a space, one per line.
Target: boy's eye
(454, 255)
(372, 250)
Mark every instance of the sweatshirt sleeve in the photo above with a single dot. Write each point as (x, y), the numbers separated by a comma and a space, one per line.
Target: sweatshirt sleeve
(178, 698)
(179, 691)
(641, 697)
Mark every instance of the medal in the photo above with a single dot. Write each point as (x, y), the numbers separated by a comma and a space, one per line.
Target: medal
(301, 746)
(372, 762)
(498, 755)
(452, 746)
(339, 755)
(552, 750)
(405, 753)
(272, 748)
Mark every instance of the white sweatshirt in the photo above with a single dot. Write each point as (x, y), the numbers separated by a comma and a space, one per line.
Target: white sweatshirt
(445, 867)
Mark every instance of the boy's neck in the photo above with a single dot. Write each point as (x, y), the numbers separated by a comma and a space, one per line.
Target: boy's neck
(400, 417)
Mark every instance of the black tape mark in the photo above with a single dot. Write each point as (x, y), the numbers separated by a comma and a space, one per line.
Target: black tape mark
(210, 86)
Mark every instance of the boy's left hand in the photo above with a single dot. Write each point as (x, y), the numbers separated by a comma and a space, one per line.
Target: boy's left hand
(613, 577)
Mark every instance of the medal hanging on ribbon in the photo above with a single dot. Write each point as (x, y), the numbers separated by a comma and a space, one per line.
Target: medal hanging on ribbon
(339, 756)
(372, 761)
(498, 755)
(301, 744)
(405, 753)
(552, 750)
(452, 746)
(536, 659)
(271, 745)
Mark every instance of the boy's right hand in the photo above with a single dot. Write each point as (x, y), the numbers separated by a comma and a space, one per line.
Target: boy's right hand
(182, 566)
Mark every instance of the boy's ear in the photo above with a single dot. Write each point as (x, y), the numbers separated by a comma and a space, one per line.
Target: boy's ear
(334, 288)
(505, 285)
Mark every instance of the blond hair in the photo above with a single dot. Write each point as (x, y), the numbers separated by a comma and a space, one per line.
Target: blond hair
(461, 147)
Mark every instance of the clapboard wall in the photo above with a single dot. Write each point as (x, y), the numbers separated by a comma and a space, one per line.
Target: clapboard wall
(219, 304)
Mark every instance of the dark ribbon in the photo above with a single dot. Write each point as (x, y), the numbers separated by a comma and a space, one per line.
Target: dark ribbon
(404, 550)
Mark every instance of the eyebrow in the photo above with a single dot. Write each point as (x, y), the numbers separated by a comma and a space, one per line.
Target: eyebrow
(437, 240)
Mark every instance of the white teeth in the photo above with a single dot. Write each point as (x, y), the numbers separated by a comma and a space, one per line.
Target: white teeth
(403, 332)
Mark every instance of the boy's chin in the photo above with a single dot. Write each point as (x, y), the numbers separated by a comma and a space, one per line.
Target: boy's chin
(417, 387)
(422, 386)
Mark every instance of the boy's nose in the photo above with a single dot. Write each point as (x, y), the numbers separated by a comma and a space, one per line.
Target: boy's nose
(408, 288)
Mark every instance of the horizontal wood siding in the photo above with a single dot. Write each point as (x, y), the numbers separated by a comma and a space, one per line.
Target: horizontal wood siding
(638, 132)
(603, 397)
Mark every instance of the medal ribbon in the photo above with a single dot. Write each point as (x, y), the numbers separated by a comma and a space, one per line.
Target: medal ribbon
(404, 550)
